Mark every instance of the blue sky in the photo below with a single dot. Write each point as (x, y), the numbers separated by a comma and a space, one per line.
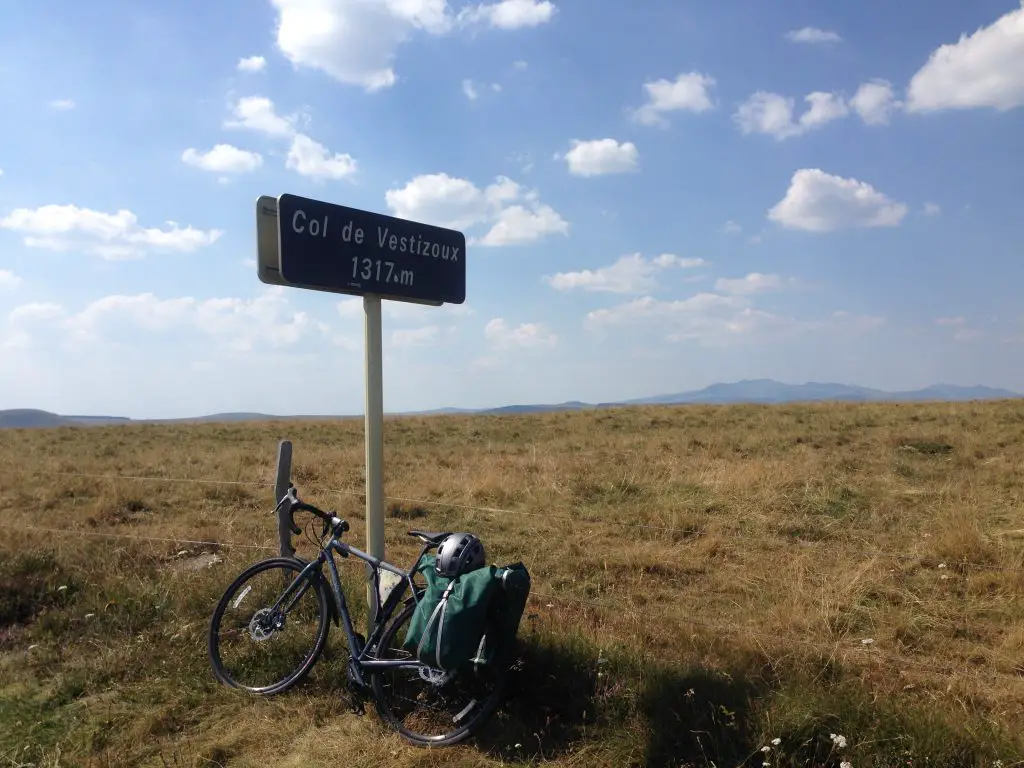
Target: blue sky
(658, 195)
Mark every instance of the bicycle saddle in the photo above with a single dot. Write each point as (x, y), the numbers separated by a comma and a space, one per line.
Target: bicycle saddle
(433, 538)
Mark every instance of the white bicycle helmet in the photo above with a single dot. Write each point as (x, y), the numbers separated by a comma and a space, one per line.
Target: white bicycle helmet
(459, 553)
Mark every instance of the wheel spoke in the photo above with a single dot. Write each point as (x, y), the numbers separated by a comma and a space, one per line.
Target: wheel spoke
(257, 648)
(425, 712)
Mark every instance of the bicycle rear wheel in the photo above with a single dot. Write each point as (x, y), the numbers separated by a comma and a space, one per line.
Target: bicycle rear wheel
(429, 713)
(258, 649)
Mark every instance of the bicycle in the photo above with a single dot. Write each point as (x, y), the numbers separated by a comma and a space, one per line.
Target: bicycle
(293, 578)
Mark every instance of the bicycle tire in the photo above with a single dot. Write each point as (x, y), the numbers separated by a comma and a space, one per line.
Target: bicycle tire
(383, 702)
(292, 567)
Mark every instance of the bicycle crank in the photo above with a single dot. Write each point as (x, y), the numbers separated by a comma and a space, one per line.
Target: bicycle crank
(357, 688)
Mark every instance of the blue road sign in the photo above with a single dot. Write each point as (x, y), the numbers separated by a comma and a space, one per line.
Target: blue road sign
(335, 248)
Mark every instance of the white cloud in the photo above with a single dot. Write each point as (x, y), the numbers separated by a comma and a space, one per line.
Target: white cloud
(510, 14)
(768, 113)
(223, 158)
(629, 274)
(356, 41)
(732, 228)
(516, 216)
(404, 311)
(24, 321)
(825, 107)
(310, 158)
(448, 201)
(686, 262)
(689, 91)
(498, 332)
(352, 41)
(8, 280)
(701, 316)
(252, 64)
(216, 324)
(874, 101)
(753, 282)
(772, 114)
(517, 224)
(63, 105)
(982, 69)
(1, 171)
(419, 325)
(714, 320)
(601, 156)
(306, 156)
(237, 324)
(469, 89)
(820, 202)
(256, 113)
(813, 35)
(27, 314)
(520, 65)
(841, 320)
(110, 235)
(959, 325)
(931, 209)
(415, 337)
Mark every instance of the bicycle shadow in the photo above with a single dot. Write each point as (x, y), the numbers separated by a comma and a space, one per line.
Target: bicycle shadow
(551, 700)
(697, 717)
(563, 697)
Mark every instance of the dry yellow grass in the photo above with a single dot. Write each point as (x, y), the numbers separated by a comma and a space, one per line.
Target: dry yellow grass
(705, 579)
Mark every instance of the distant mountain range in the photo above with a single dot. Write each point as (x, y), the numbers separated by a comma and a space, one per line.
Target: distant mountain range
(764, 391)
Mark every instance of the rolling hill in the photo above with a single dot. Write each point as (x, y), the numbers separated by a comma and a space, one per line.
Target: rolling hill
(762, 391)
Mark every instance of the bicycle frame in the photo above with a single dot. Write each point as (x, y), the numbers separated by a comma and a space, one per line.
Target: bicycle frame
(381, 612)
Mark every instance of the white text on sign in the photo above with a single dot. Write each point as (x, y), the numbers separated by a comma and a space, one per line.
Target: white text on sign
(416, 244)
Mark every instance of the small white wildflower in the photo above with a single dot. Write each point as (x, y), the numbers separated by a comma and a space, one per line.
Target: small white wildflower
(867, 641)
(838, 740)
(944, 576)
(942, 565)
(846, 764)
(766, 749)
(776, 741)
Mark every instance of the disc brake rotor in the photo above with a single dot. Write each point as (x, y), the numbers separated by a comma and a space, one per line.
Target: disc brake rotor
(261, 626)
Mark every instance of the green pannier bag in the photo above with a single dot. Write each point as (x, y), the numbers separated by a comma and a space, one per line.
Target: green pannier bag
(474, 617)
(506, 611)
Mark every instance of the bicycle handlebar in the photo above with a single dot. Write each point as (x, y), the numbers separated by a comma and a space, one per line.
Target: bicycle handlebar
(294, 504)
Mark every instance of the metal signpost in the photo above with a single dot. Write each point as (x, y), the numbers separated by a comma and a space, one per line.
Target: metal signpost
(320, 246)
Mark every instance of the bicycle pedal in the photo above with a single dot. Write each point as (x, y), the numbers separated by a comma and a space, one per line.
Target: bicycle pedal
(356, 695)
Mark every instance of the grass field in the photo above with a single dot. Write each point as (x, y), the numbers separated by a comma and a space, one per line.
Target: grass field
(705, 580)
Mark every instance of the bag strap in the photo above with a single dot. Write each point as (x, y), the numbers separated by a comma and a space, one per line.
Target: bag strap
(438, 609)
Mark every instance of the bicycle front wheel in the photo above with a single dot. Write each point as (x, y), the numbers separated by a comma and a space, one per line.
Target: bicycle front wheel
(426, 707)
(262, 640)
